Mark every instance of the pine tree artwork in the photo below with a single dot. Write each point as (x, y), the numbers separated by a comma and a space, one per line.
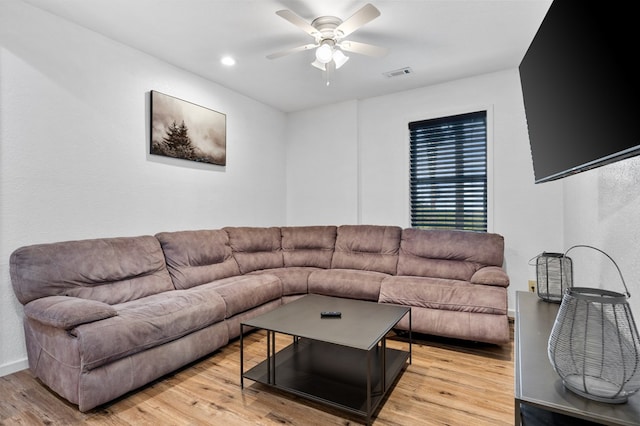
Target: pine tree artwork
(180, 129)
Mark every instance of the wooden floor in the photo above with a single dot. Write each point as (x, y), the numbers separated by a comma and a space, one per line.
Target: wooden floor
(450, 382)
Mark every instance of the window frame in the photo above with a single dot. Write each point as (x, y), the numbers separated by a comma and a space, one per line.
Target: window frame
(488, 110)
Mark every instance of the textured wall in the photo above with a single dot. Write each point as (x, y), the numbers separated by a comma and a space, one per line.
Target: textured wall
(602, 209)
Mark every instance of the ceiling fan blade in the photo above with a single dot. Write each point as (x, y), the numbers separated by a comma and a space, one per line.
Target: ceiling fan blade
(297, 21)
(290, 51)
(366, 14)
(363, 48)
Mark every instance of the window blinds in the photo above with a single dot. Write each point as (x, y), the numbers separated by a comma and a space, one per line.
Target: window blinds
(449, 172)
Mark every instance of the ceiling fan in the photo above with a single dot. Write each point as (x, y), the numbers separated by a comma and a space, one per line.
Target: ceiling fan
(329, 33)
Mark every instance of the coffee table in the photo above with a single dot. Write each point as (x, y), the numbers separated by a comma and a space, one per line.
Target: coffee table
(341, 362)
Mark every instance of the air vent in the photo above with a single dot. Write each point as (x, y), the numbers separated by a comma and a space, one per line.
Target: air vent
(398, 73)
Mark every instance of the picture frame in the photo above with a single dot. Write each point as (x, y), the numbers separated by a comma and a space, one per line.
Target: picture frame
(184, 130)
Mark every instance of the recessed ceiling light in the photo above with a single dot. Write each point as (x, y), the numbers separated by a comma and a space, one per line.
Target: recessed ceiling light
(228, 61)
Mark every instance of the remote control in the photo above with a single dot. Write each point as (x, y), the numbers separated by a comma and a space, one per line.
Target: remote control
(330, 314)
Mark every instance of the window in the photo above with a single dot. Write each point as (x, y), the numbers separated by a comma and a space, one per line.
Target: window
(449, 172)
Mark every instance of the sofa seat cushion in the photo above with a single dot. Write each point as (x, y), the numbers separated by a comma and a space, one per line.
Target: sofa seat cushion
(144, 323)
(349, 283)
(476, 327)
(294, 278)
(439, 293)
(246, 292)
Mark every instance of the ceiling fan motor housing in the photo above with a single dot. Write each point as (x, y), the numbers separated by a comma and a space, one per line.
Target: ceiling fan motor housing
(326, 26)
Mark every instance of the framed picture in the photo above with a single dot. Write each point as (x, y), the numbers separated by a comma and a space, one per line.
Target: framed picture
(180, 129)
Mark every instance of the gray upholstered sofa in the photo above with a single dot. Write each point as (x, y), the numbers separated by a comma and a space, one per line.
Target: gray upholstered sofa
(103, 317)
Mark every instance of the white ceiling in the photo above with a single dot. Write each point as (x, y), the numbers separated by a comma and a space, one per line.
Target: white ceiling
(439, 40)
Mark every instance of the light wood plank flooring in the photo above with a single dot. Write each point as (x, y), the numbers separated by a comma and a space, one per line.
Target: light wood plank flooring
(449, 383)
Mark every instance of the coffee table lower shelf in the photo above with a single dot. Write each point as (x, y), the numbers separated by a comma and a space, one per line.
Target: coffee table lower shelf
(332, 374)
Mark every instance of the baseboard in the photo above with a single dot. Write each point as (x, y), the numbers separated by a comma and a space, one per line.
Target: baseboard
(13, 367)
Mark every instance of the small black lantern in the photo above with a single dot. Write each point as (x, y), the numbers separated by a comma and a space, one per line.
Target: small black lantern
(554, 274)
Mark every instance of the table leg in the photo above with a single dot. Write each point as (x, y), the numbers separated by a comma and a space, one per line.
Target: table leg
(241, 356)
(410, 338)
(383, 365)
(369, 386)
(269, 356)
(273, 357)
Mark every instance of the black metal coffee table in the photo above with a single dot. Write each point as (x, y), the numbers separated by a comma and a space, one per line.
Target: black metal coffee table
(343, 362)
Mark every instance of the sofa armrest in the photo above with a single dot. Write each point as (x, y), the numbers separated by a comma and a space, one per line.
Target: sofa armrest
(67, 312)
(491, 275)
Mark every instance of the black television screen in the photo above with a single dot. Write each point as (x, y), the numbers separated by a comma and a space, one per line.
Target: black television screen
(580, 88)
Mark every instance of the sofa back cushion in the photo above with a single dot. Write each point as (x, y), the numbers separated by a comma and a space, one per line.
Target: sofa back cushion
(256, 248)
(197, 257)
(448, 254)
(367, 248)
(109, 270)
(308, 245)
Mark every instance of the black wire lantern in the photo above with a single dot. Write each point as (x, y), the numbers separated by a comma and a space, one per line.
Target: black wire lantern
(594, 345)
(554, 274)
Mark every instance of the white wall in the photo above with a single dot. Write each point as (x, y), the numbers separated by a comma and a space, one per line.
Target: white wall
(74, 159)
(322, 166)
(602, 209)
(529, 216)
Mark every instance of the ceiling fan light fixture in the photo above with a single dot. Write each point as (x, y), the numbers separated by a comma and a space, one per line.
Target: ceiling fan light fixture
(319, 65)
(328, 33)
(324, 53)
(339, 58)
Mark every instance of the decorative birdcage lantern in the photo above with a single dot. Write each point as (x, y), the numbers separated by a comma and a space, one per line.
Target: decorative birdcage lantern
(594, 345)
(554, 274)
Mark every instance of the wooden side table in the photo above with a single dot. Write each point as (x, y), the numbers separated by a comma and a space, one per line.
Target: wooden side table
(539, 389)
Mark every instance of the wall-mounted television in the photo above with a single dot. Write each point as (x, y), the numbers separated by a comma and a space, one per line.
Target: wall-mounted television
(580, 88)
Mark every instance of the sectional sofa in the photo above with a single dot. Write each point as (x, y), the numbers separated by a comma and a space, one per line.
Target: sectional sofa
(105, 316)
